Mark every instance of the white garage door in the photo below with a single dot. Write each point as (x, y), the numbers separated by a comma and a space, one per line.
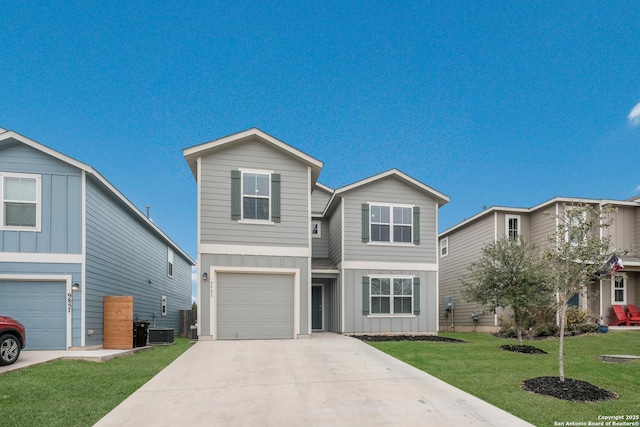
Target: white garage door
(255, 306)
(41, 307)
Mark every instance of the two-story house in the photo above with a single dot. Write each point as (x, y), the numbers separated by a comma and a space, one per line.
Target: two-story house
(461, 245)
(68, 238)
(281, 255)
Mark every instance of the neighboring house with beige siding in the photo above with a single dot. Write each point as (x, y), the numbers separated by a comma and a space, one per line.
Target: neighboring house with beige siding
(281, 255)
(462, 245)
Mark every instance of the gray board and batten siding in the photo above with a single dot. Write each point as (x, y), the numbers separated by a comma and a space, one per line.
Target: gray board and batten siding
(219, 228)
(125, 257)
(216, 226)
(389, 190)
(357, 322)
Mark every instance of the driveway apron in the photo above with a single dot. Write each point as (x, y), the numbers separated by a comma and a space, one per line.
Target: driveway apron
(328, 380)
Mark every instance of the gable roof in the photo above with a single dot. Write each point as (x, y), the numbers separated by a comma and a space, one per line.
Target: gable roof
(9, 138)
(441, 198)
(191, 154)
(505, 209)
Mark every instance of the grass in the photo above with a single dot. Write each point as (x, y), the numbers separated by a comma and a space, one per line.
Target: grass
(75, 392)
(479, 367)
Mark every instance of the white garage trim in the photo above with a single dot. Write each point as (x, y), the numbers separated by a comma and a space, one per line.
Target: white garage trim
(47, 278)
(213, 292)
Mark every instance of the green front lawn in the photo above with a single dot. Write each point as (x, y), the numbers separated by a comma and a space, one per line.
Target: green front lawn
(479, 367)
(75, 392)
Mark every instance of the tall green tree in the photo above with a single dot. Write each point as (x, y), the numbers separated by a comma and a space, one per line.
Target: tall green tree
(576, 255)
(510, 274)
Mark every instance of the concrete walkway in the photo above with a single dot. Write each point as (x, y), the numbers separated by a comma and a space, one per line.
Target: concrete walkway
(31, 358)
(328, 380)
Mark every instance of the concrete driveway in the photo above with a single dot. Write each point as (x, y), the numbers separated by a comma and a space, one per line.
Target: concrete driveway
(328, 380)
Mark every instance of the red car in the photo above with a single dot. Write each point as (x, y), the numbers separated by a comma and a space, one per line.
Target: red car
(13, 338)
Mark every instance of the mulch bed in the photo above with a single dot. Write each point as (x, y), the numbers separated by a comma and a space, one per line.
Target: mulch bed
(573, 390)
(523, 349)
(383, 338)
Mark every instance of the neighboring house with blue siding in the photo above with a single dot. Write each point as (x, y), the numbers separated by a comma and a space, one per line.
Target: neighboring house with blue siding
(67, 239)
(281, 255)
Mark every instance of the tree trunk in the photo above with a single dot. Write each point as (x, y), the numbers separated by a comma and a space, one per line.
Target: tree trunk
(518, 321)
(563, 321)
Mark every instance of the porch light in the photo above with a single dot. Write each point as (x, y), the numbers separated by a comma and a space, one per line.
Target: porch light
(75, 287)
(205, 276)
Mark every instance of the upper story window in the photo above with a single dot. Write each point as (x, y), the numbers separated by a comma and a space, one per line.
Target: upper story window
(512, 226)
(316, 229)
(256, 197)
(444, 247)
(21, 204)
(575, 231)
(169, 262)
(392, 224)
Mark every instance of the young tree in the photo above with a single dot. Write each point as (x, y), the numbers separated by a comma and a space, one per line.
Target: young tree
(510, 273)
(576, 255)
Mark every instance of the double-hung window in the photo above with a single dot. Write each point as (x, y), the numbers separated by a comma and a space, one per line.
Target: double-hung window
(256, 196)
(512, 227)
(392, 224)
(20, 195)
(169, 262)
(444, 247)
(619, 290)
(575, 233)
(391, 295)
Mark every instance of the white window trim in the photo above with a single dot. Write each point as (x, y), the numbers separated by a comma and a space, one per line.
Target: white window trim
(391, 224)
(506, 224)
(38, 179)
(624, 289)
(391, 296)
(253, 220)
(170, 263)
(444, 244)
(319, 233)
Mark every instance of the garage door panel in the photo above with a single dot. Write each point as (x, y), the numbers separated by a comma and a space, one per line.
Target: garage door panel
(41, 307)
(255, 306)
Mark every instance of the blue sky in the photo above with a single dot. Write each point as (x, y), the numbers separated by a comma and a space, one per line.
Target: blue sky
(491, 103)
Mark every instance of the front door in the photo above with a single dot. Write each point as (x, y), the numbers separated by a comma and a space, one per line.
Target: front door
(316, 308)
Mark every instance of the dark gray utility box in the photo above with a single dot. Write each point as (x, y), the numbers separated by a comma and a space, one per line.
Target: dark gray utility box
(161, 336)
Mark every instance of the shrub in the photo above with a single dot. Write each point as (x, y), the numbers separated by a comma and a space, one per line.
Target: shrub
(546, 330)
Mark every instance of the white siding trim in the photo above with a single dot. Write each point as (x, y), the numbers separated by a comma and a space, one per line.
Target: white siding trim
(309, 237)
(83, 267)
(212, 248)
(199, 227)
(374, 265)
(31, 257)
(437, 302)
(213, 280)
(342, 257)
(47, 278)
